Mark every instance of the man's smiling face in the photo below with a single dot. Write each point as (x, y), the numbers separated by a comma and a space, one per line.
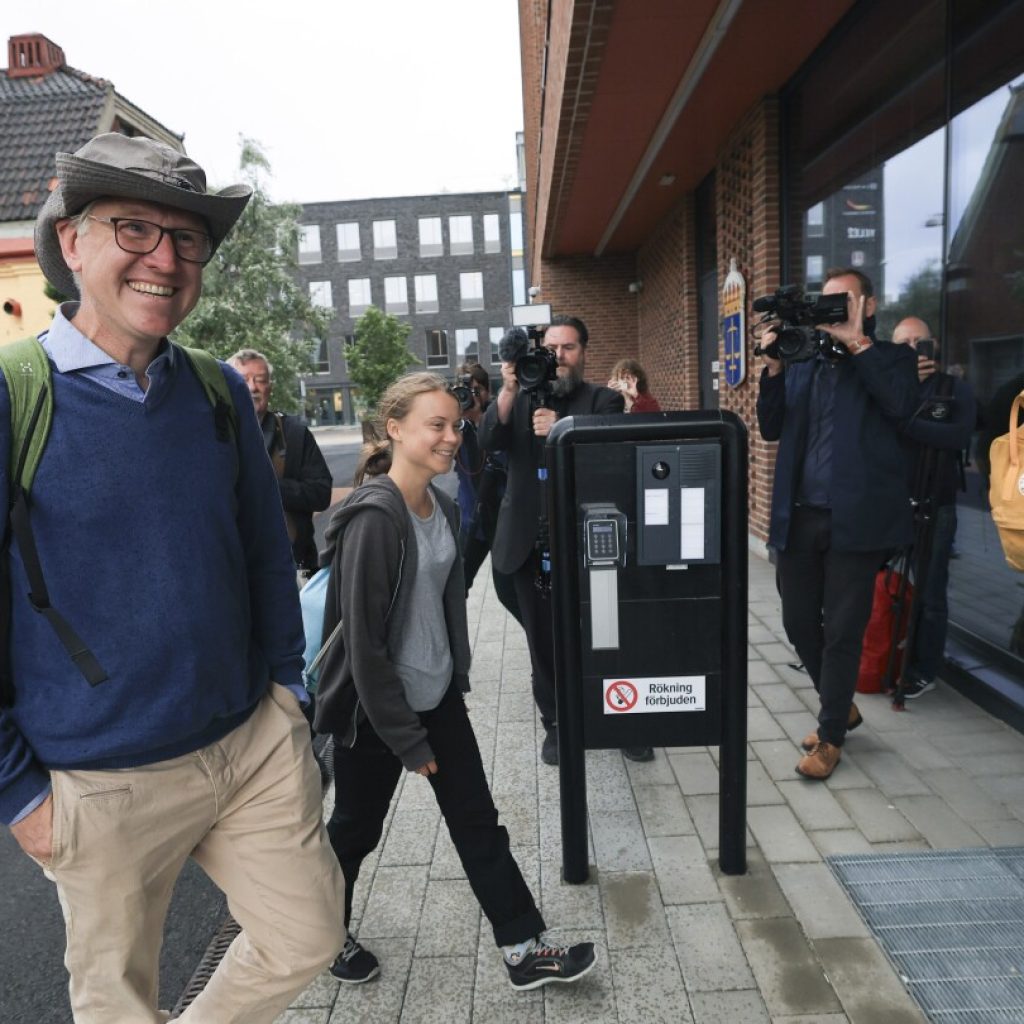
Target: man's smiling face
(130, 298)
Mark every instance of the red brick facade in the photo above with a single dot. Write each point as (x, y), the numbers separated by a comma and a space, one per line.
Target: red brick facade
(659, 323)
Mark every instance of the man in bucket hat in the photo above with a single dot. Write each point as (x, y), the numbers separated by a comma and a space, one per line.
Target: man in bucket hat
(163, 544)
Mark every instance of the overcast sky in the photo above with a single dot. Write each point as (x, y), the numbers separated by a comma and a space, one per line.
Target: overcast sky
(350, 99)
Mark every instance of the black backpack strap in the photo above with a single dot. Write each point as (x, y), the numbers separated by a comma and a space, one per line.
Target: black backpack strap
(39, 596)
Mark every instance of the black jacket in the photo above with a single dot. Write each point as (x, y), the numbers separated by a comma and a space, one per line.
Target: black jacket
(372, 574)
(520, 508)
(305, 487)
(875, 393)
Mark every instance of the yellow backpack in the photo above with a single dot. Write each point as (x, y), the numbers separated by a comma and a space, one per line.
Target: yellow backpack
(1006, 488)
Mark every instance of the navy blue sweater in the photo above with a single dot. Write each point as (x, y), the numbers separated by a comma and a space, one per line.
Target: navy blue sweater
(166, 550)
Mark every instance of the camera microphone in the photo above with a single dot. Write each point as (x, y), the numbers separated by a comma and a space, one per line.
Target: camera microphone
(765, 304)
(514, 344)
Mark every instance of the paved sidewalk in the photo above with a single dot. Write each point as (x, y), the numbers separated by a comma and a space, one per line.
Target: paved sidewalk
(678, 942)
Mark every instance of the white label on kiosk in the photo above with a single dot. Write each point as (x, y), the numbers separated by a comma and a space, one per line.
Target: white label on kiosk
(653, 694)
(656, 506)
(691, 522)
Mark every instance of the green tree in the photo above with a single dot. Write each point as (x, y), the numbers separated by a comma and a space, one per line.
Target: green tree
(251, 298)
(378, 357)
(921, 297)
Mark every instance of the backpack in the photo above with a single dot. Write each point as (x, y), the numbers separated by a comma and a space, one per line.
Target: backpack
(1006, 488)
(26, 370)
(313, 600)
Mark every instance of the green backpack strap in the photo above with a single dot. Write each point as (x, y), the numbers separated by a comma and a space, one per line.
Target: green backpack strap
(26, 371)
(211, 376)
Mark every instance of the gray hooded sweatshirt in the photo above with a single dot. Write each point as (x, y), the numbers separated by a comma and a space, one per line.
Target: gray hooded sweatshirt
(372, 553)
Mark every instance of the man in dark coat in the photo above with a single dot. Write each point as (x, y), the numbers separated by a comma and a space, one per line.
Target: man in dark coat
(840, 500)
(516, 425)
(303, 476)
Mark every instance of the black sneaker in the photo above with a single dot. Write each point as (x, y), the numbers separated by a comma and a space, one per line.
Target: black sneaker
(915, 687)
(544, 965)
(354, 964)
(549, 748)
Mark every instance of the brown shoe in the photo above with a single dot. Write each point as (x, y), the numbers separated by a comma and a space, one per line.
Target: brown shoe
(820, 762)
(853, 719)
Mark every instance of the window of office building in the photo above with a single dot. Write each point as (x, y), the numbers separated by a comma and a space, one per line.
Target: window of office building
(815, 272)
(437, 347)
(426, 293)
(519, 287)
(309, 244)
(495, 334)
(349, 248)
(385, 240)
(322, 359)
(467, 348)
(492, 232)
(515, 225)
(360, 296)
(320, 294)
(396, 295)
(460, 235)
(471, 290)
(431, 243)
(916, 171)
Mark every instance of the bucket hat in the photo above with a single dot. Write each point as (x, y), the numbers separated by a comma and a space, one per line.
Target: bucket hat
(115, 166)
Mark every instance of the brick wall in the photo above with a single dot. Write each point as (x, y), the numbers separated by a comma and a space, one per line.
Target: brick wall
(747, 212)
(668, 341)
(596, 289)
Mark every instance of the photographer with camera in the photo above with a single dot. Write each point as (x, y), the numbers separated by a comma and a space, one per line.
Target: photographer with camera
(482, 476)
(841, 499)
(538, 388)
(942, 426)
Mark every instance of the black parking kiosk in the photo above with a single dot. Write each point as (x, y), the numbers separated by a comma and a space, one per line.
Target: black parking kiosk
(648, 527)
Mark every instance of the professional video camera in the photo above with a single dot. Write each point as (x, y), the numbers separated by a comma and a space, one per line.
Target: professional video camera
(536, 367)
(464, 389)
(796, 338)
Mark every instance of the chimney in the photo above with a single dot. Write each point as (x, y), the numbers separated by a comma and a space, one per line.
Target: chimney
(33, 56)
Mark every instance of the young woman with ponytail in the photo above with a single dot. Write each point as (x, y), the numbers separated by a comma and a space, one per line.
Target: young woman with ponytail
(391, 691)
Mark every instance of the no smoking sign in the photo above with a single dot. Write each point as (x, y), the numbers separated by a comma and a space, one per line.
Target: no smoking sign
(654, 694)
(620, 695)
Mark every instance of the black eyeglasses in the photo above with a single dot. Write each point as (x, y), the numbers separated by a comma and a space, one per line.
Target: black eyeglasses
(143, 236)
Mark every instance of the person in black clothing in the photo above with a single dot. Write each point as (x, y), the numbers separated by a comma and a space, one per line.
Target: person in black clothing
(303, 476)
(947, 436)
(482, 476)
(515, 425)
(840, 498)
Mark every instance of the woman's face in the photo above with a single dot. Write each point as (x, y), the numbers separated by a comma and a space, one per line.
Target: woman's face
(429, 435)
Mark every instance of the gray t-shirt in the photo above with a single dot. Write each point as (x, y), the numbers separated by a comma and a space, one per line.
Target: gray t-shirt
(423, 658)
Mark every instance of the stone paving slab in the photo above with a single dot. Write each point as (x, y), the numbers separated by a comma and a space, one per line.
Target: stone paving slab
(677, 939)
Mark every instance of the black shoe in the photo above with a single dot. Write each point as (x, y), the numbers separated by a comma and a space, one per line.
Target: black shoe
(544, 965)
(354, 964)
(549, 748)
(639, 754)
(915, 687)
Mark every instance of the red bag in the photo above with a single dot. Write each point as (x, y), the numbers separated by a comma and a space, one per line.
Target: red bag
(874, 655)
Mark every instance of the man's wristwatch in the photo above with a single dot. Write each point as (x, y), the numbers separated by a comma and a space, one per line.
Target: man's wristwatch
(856, 347)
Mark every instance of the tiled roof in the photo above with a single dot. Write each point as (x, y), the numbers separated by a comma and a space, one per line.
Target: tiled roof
(38, 118)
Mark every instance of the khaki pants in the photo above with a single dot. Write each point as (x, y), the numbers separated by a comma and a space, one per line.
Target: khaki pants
(247, 809)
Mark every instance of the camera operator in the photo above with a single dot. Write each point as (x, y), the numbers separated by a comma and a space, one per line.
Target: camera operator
(942, 429)
(840, 500)
(517, 425)
(482, 477)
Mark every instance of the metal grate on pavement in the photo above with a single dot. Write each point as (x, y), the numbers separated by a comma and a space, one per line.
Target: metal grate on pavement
(952, 923)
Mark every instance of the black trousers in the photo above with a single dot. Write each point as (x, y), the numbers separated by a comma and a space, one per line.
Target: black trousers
(826, 604)
(474, 551)
(535, 609)
(365, 777)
